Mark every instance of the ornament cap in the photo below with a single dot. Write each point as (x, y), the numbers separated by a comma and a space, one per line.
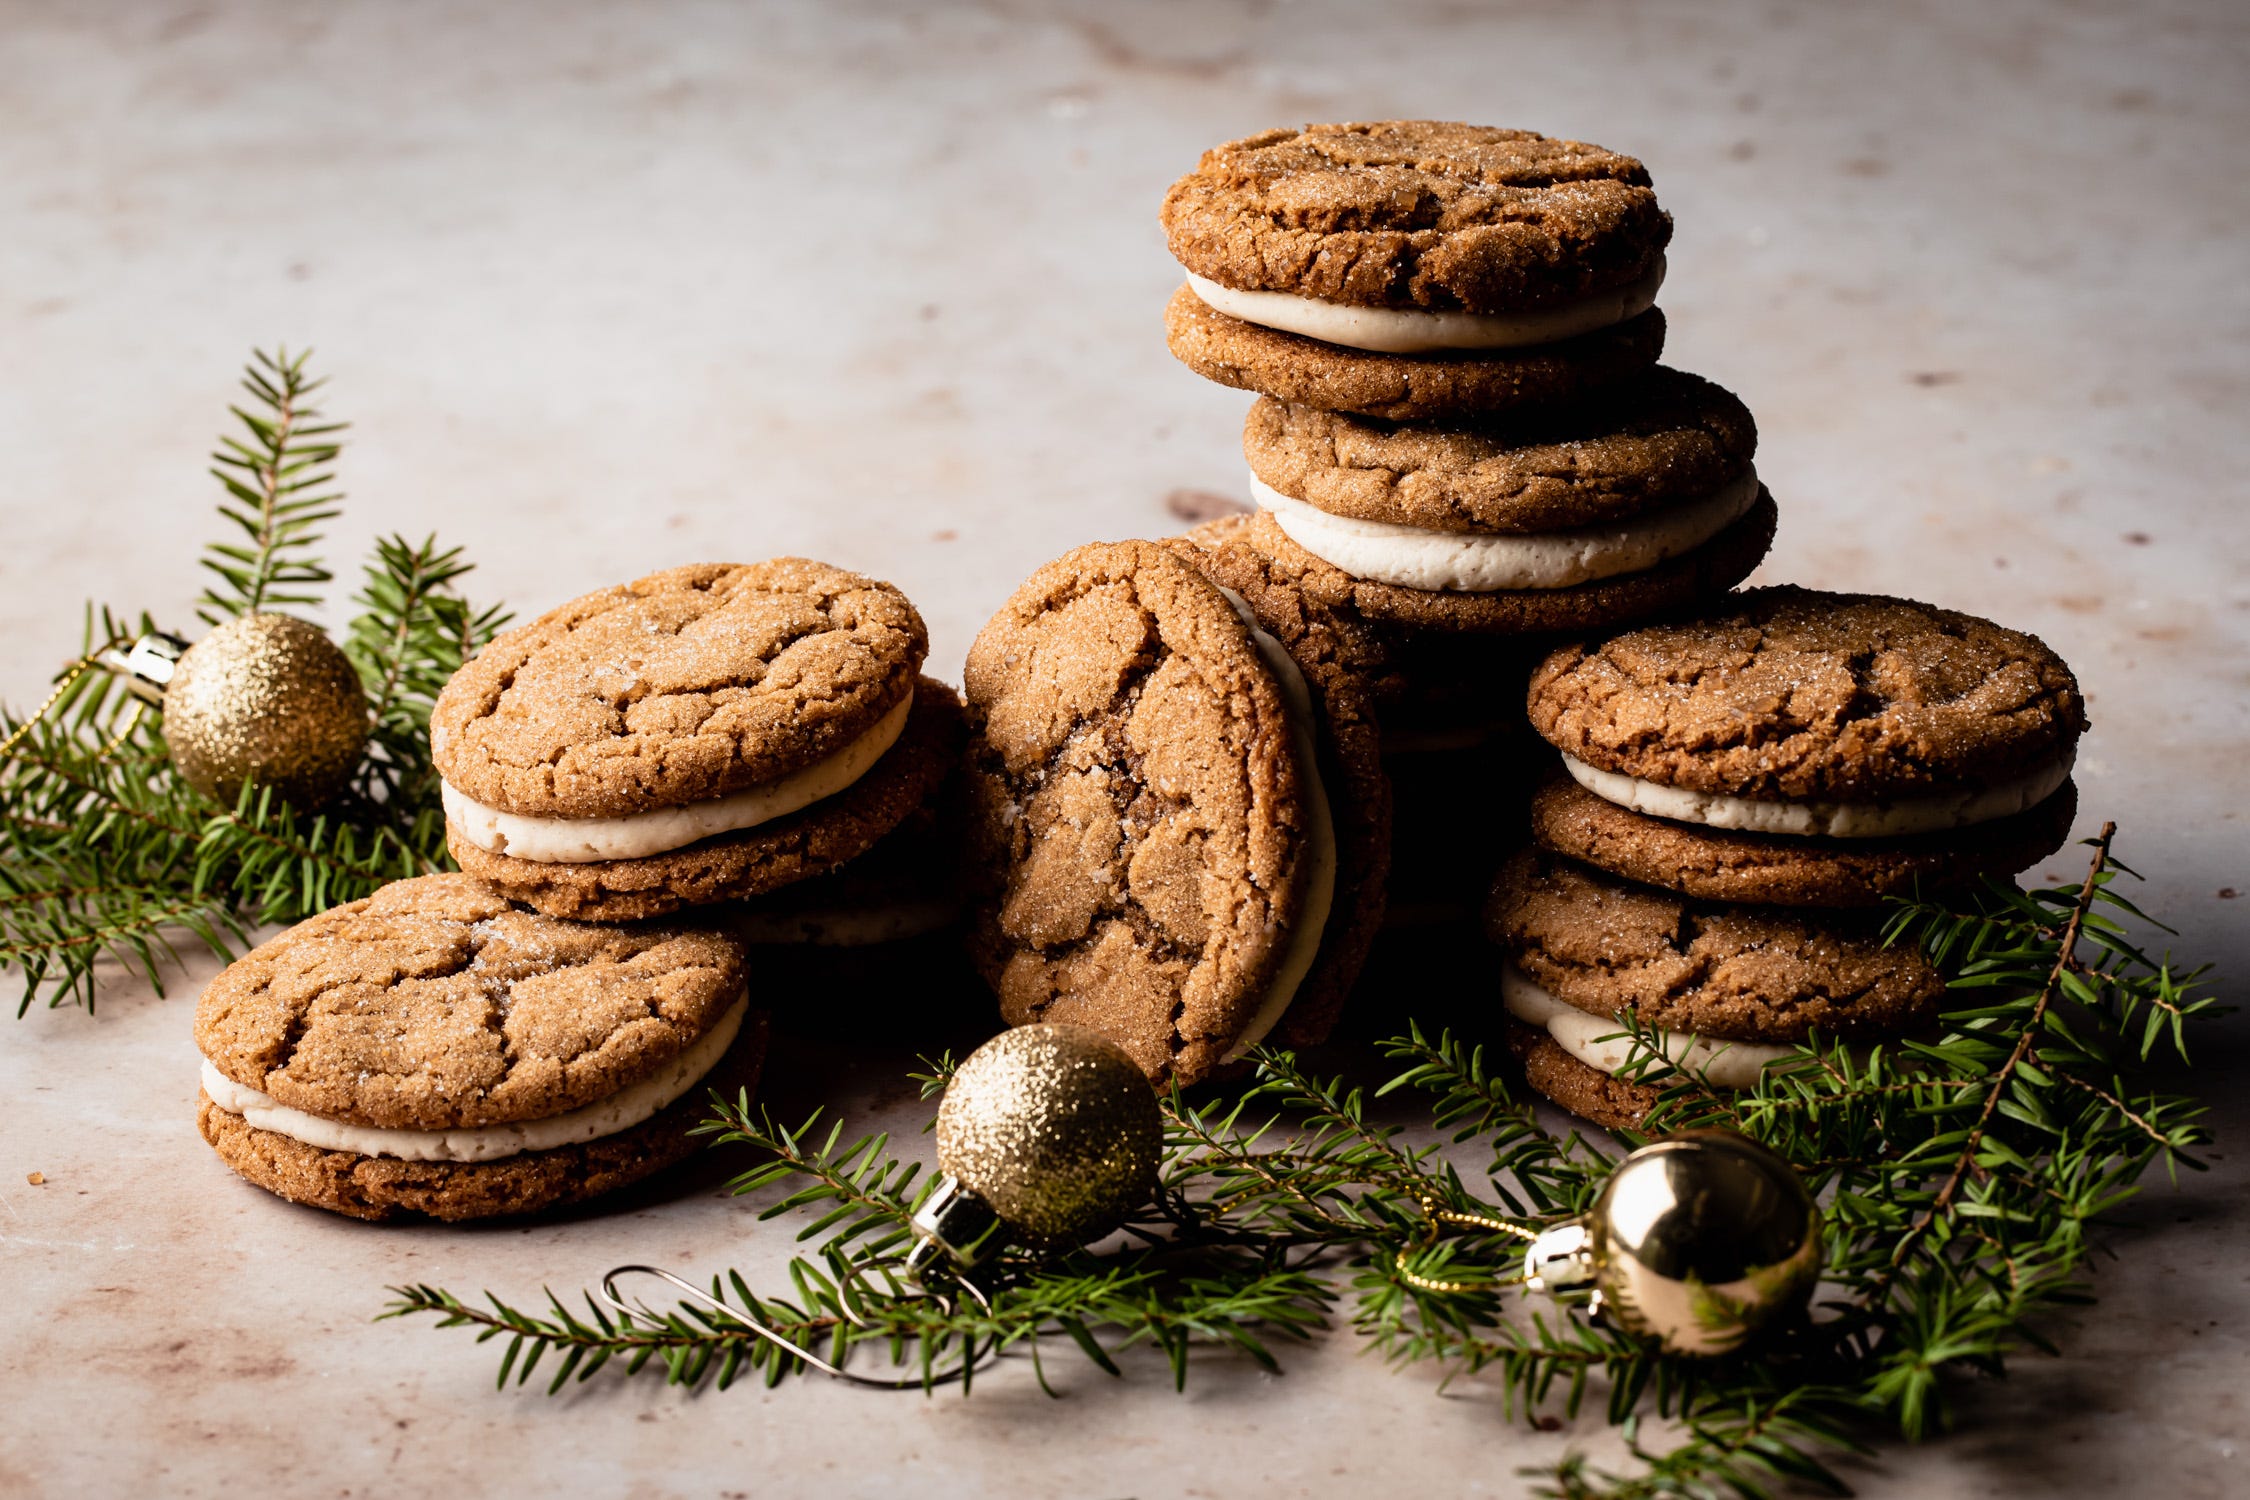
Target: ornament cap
(147, 665)
(1560, 1262)
(953, 1222)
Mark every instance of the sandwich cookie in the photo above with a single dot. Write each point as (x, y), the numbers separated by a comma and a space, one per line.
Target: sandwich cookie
(435, 1049)
(1568, 519)
(1410, 236)
(1149, 810)
(1403, 387)
(1411, 239)
(1733, 989)
(1803, 714)
(702, 734)
(1344, 671)
(1715, 864)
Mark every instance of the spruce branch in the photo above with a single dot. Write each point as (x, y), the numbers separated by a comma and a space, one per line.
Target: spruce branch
(1996, 1088)
(280, 487)
(1962, 1175)
(108, 860)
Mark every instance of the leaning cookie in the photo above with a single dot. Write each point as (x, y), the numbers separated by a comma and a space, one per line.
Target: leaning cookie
(435, 1049)
(702, 734)
(1732, 989)
(1567, 519)
(1342, 665)
(1716, 864)
(1148, 811)
(1793, 712)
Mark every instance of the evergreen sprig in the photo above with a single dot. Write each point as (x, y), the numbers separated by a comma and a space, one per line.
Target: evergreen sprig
(1962, 1177)
(280, 487)
(109, 860)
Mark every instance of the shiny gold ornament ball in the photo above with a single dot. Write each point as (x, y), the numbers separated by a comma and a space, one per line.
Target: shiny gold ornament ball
(1702, 1239)
(267, 699)
(1056, 1129)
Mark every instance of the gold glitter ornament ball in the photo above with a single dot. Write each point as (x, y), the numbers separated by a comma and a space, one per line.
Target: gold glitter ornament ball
(1054, 1127)
(266, 699)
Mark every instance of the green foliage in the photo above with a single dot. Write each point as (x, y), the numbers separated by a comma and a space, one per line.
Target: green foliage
(280, 487)
(1960, 1174)
(108, 859)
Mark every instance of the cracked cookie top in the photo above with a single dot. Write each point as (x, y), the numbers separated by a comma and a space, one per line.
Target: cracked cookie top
(436, 1004)
(1417, 214)
(1655, 441)
(679, 687)
(1789, 693)
(1734, 973)
(1136, 804)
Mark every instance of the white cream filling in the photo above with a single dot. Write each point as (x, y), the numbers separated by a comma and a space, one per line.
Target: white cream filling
(577, 841)
(1599, 1042)
(1480, 562)
(1303, 944)
(1835, 820)
(1392, 330)
(620, 1111)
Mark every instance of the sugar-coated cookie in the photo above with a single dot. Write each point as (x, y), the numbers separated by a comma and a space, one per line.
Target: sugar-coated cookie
(1440, 386)
(1159, 853)
(437, 1049)
(704, 733)
(1418, 216)
(1796, 712)
(1775, 869)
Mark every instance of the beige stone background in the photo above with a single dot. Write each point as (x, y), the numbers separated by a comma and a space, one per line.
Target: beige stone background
(609, 287)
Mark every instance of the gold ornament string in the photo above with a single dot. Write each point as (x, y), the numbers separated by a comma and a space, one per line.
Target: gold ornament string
(76, 670)
(1438, 1220)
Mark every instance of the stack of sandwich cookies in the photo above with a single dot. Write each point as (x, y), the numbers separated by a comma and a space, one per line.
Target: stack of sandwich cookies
(1463, 434)
(436, 1049)
(1163, 851)
(1732, 989)
(1780, 767)
(704, 734)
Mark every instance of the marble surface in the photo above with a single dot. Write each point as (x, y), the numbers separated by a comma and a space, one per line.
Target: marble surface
(605, 288)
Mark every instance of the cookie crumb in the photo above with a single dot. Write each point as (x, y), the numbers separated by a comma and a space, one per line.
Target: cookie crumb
(37, 1179)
